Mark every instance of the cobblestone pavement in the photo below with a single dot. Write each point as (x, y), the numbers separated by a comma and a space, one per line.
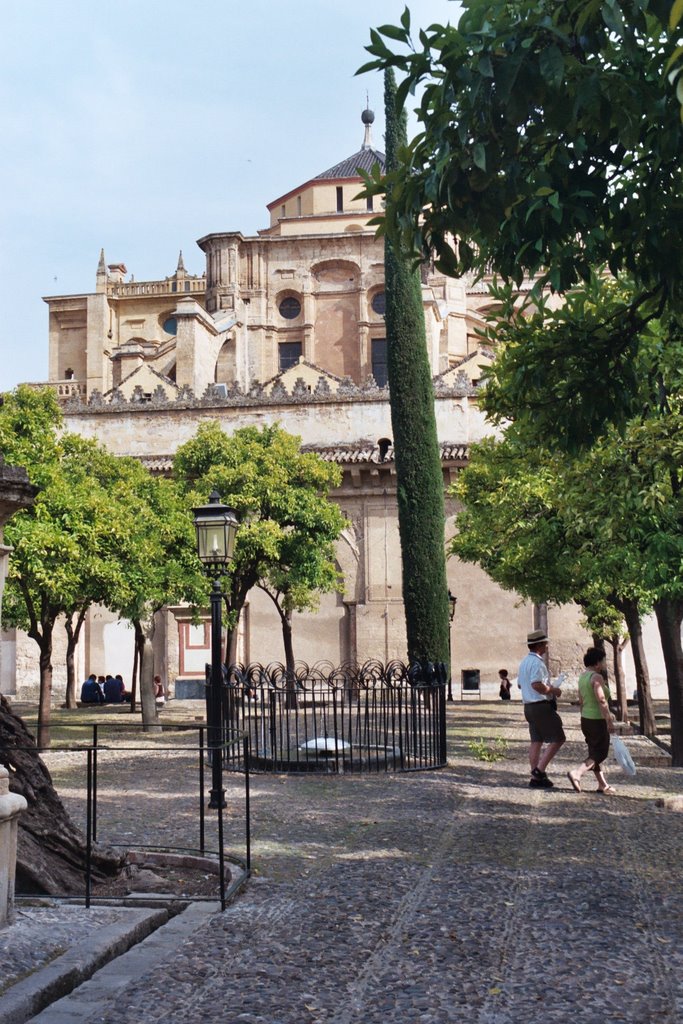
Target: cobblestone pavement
(438, 898)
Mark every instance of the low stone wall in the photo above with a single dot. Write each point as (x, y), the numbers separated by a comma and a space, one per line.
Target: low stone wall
(11, 806)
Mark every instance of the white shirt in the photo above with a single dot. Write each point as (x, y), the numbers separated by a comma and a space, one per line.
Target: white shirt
(532, 670)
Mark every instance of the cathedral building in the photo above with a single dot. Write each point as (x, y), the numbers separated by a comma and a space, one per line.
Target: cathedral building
(286, 326)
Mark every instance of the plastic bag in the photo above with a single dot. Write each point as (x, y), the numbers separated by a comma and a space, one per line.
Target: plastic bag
(623, 758)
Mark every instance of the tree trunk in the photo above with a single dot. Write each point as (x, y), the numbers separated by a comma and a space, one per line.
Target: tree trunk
(286, 620)
(631, 614)
(134, 673)
(45, 699)
(541, 622)
(50, 849)
(231, 638)
(73, 634)
(669, 616)
(620, 683)
(70, 696)
(144, 632)
(419, 476)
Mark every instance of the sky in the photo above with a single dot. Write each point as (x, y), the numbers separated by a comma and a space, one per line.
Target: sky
(141, 125)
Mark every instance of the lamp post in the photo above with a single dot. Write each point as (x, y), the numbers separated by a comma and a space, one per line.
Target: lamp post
(216, 527)
(452, 601)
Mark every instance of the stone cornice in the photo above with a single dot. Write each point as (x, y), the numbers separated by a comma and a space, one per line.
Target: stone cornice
(350, 456)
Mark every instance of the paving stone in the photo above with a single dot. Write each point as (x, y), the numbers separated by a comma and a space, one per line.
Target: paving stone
(435, 898)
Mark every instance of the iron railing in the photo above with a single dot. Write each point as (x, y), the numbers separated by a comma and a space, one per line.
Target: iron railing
(94, 751)
(349, 718)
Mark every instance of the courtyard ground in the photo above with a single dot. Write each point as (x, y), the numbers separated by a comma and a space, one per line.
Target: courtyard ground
(446, 897)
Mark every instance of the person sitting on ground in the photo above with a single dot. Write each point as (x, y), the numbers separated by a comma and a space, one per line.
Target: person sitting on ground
(159, 695)
(90, 691)
(505, 684)
(125, 696)
(114, 690)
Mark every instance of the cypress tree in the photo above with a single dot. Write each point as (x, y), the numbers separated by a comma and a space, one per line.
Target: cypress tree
(421, 514)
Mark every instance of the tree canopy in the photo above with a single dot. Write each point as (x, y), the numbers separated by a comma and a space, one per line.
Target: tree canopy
(101, 531)
(288, 525)
(551, 148)
(551, 141)
(419, 479)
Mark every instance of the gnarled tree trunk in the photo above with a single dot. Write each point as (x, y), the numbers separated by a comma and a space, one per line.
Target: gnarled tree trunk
(51, 849)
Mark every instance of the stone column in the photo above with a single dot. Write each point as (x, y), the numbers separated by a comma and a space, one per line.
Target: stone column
(11, 806)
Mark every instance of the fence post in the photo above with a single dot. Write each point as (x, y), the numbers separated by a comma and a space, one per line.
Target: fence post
(90, 804)
(247, 801)
(202, 840)
(94, 783)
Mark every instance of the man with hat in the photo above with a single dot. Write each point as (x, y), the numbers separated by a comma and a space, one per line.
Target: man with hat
(540, 709)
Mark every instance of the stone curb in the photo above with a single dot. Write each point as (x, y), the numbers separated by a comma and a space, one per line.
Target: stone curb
(47, 984)
(119, 970)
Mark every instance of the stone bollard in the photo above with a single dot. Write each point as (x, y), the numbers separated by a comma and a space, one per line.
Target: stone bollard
(11, 806)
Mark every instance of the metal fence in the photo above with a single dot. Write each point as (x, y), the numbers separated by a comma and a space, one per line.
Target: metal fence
(348, 718)
(185, 751)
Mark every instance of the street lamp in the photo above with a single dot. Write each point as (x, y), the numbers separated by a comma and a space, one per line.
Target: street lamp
(452, 601)
(216, 527)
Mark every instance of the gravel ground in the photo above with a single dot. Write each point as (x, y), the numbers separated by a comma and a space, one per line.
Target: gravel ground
(437, 898)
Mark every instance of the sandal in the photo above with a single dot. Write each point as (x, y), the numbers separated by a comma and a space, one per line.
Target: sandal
(576, 785)
(607, 791)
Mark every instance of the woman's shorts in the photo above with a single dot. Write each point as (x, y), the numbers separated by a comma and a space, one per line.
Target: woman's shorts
(596, 734)
(545, 725)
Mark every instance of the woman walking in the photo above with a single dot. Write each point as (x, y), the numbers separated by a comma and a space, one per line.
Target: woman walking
(596, 720)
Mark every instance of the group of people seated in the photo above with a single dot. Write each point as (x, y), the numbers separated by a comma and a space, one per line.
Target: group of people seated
(112, 690)
(104, 690)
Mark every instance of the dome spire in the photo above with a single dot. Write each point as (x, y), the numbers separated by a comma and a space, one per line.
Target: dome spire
(367, 117)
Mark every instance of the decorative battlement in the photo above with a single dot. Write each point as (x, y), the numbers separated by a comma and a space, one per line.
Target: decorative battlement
(232, 395)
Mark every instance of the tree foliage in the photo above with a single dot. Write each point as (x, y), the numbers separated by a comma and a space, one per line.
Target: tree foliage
(101, 531)
(603, 526)
(288, 526)
(551, 146)
(419, 479)
(551, 141)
